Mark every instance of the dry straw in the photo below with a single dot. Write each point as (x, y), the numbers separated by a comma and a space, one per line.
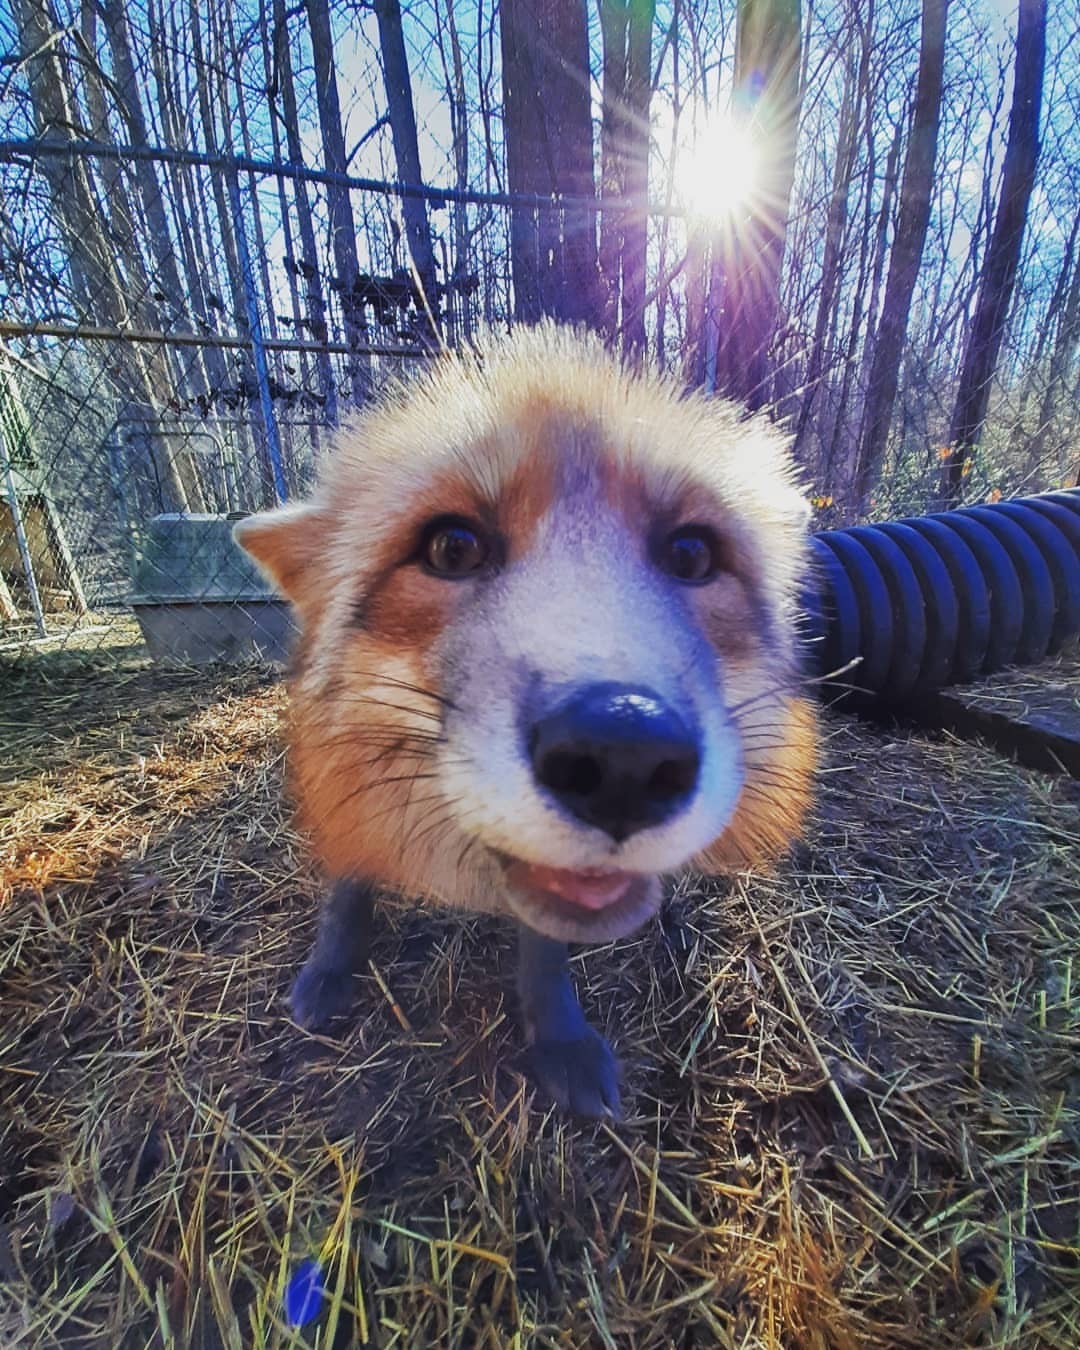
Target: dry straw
(853, 1086)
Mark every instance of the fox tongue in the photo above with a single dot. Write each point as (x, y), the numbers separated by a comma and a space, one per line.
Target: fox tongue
(590, 888)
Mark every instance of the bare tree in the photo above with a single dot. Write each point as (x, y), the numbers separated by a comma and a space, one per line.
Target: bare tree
(663, 288)
(1003, 255)
(455, 75)
(140, 377)
(111, 175)
(308, 263)
(181, 191)
(342, 225)
(207, 78)
(549, 151)
(395, 66)
(907, 250)
(626, 27)
(766, 97)
(855, 96)
(159, 236)
(1062, 318)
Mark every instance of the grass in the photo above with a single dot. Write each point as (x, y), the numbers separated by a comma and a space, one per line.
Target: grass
(853, 1087)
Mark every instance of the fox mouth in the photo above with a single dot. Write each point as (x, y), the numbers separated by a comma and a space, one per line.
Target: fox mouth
(585, 903)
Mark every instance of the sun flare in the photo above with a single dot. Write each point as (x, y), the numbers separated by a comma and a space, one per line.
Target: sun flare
(718, 174)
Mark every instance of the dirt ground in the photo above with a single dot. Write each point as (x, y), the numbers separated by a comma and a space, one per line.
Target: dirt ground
(853, 1088)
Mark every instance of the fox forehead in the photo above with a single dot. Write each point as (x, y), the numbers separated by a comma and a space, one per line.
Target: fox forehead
(547, 416)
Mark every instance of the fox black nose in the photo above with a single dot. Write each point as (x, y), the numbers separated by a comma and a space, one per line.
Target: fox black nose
(617, 757)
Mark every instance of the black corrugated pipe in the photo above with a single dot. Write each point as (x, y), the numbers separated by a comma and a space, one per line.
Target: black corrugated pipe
(903, 607)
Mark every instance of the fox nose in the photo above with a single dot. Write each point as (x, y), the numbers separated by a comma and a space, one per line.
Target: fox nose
(616, 757)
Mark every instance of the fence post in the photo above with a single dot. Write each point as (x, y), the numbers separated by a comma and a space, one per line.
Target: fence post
(258, 351)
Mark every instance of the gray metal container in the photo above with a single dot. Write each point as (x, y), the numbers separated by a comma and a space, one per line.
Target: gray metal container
(200, 599)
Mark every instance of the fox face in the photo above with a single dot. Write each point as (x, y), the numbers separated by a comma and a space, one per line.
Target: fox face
(548, 638)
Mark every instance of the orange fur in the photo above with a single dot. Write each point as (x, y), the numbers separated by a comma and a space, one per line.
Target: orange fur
(406, 609)
(776, 796)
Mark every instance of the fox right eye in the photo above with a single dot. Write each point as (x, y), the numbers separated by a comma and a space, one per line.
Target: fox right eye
(692, 555)
(453, 548)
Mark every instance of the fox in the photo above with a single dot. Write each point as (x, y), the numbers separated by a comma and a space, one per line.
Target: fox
(548, 604)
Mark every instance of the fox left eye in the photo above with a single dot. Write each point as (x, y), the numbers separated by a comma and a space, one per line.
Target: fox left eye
(453, 548)
(691, 554)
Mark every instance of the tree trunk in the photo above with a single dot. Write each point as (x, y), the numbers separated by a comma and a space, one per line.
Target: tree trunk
(126, 81)
(98, 283)
(457, 300)
(210, 75)
(767, 100)
(288, 239)
(230, 57)
(209, 129)
(907, 251)
(1003, 254)
(1064, 309)
(339, 207)
(664, 287)
(626, 28)
(109, 173)
(549, 150)
(855, 82)
(316, 304)
(614, 21)
(208, 372)
(399, 101)
(189, 375)
(636, 172)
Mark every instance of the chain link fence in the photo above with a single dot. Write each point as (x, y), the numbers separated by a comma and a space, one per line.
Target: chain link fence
(139, 417)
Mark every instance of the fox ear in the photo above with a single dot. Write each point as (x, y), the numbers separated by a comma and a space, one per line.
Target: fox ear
(286, 543)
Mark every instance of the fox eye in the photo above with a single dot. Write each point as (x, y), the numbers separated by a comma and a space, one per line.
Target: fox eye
(691, 554)
(453, 548)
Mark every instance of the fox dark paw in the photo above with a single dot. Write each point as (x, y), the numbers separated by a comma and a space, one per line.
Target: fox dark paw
(581, 1076)
(321, 993)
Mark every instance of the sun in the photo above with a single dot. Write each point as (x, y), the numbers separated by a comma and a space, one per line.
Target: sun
(717, 176)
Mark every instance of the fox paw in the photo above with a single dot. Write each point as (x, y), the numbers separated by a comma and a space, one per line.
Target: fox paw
(581, 1076)
(320, 993)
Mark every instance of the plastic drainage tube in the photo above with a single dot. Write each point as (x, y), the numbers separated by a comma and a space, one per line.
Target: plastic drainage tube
(907, 606)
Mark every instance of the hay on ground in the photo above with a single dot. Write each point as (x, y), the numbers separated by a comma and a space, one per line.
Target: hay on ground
(852, 1087)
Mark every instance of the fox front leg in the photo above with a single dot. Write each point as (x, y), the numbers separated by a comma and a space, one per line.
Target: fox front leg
(324, 988)
(569, 1060)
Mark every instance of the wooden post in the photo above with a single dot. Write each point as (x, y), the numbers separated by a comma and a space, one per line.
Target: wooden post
(24, 548)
